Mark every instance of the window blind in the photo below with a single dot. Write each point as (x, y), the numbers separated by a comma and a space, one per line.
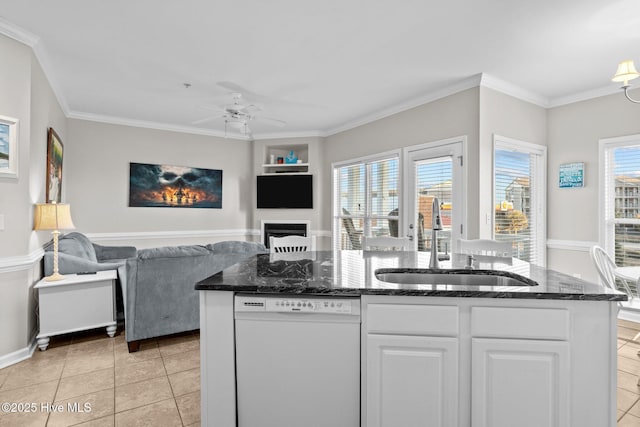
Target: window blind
(434, 179)
(517, 193)
(622, 202)
(367, 201)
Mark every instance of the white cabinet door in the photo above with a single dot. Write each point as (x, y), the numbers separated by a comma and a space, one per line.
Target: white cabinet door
(520, 382)
(411, 381)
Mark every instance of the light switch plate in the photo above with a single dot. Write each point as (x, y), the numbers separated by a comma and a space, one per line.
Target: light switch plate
(1, 222)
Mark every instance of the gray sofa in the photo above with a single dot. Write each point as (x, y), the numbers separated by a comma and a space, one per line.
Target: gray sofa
(158, 284)
(160, 297)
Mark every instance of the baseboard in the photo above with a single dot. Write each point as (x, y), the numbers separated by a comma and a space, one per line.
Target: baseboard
(19, 355)
(629, 314)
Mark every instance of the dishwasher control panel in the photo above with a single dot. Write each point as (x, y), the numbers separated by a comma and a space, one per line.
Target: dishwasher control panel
(294, 305)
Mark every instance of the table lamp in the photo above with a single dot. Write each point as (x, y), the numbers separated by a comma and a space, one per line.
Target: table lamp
(56, 217)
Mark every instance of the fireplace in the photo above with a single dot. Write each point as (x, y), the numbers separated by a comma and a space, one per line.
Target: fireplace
(283, 228)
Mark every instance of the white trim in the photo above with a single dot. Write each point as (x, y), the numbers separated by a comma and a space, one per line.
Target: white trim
(18, 33)
(18, 355)
(584, 96)
(448, 146)
(570, 245)
(154, 125)
(512, 90)
(368, 158)
(512, 144)
(605, 231)
(629, 314)
(468, 83)
(20, 263)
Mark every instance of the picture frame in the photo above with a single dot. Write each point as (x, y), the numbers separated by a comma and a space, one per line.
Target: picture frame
(170, 186)
(8, 147)
(55, 151)
(571, 175)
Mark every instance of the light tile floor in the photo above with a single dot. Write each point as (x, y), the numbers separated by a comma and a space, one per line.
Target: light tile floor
(160, 384)
(89, 379)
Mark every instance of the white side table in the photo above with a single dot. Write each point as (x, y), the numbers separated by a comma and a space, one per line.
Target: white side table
(76, 303)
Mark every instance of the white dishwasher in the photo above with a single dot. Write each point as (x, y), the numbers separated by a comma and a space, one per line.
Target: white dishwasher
(297, 361)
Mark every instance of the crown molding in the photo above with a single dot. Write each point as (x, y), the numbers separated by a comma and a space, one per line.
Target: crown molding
(153, 125)
(510, 89)
(35, 43)
(18, 33)
(284, 135)
(584, 96)
(422, 99)
(482, 79)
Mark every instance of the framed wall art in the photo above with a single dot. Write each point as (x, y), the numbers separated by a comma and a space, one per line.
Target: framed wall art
(174, 186)
(55, 151)
(8, 147)
(571, 175)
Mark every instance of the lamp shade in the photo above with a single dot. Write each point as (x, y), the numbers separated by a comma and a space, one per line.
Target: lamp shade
(626, 71)
(52, 216)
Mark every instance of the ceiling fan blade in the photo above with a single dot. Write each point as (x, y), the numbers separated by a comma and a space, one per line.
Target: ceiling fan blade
(270, 121)
(213, 108)
(206, 119)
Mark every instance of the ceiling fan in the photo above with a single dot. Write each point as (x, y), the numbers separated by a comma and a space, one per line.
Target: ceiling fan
(238, 115)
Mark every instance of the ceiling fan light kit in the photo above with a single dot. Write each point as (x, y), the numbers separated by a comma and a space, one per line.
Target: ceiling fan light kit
(626, 71)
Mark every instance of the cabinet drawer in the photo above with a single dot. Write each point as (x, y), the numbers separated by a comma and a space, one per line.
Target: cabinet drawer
(431, 320)
(533, 323)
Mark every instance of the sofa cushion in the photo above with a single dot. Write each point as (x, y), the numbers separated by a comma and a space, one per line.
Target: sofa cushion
(172, 252)
(237, 247)
(75, 244)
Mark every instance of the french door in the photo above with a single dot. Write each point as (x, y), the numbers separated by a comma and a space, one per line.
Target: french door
(435, 171)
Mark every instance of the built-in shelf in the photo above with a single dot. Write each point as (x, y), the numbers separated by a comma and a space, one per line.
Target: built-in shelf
(273, 152)
(276, 168)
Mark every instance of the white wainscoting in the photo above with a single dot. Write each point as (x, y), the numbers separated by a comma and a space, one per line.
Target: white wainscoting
(570, 245)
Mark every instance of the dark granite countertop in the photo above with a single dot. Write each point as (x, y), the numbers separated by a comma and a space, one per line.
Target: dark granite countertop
(352, 273)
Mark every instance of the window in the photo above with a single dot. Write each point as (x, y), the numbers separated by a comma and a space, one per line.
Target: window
(365, 200)
(519, 198)
(620, 206)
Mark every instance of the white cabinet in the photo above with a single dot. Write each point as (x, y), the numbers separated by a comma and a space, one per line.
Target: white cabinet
(521, 377)
(484, 362)
(76, 303)
(411, 365)
(412, 381)
(520, 382)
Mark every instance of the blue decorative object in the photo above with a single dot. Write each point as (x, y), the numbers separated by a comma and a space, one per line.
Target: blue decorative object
(291, 158)
(571, 175)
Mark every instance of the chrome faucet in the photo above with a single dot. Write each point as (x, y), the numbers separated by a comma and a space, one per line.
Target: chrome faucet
(436, 225)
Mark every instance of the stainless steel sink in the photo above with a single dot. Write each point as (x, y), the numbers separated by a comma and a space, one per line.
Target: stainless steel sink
(419, 276)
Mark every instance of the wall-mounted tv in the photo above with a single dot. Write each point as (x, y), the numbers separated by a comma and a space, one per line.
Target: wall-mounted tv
(285, 191)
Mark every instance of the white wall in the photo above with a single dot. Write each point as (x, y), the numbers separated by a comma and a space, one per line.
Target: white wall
(27, 96)
(96, 168)
(510, 117)
(317, 223)
(573, 134)
(454, 115)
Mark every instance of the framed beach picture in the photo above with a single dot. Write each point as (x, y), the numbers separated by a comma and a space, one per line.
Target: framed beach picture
(8, 147)
(165, 186)
(54, 167)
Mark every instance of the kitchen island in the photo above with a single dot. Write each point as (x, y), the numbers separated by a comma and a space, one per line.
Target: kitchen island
(539, 354)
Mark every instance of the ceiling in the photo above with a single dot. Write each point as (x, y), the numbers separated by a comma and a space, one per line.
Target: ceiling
(320, 66)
